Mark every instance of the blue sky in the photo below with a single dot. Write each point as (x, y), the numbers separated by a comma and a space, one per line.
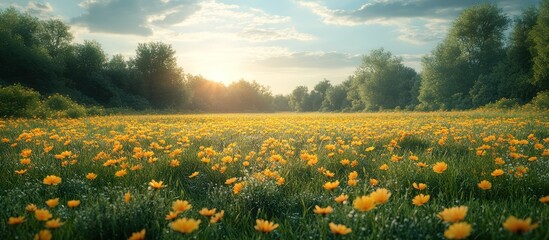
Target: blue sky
(278, 43)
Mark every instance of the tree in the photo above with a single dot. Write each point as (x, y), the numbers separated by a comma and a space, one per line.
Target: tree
(318, 94)
(383, 81)
(281, 103)
(540, 38)
(55, 36)
(473, 47)
(162, 79)
(298, 99)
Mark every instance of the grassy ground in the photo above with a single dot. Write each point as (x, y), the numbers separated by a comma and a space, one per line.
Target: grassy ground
(273, 158)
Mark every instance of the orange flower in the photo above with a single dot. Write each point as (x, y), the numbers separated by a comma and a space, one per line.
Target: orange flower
(73, 203)
(384, 167)
(157, 185)
(339, 229)
(544, 199)
(194, 174)
(52, 180)
(265, 226)
(497, 173)
(381, 195)
(42, 214)
(138, 235)
(181, 206)
(420, 199)
(127, 197)
(16, 220)
(30, 208)
(454, 214)
(459, 230)
(484, 185)
(120, 173)
(515, 225)
(91, 176)
(323, 211)
(230, 181)
(341, 198)
(440, 167)
(331, 185)
(43, 235)
(419, 186)
(52, 202)
(54, 223)
(238, 187)
(21, 172)
(364, 203)
(217, 217)
(172, 215)
(184, 225)
(373, 181)
(207, 212)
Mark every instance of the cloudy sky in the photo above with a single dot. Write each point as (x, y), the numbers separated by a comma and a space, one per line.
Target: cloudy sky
(278, 43)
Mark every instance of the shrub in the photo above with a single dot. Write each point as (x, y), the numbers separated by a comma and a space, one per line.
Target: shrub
(61, 106)
(18, 101)
(504, 103)
(541, 101)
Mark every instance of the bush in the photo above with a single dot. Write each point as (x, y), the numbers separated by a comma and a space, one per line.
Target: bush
(504, 103)
(541, 101)
(18, 101)
(61, 106)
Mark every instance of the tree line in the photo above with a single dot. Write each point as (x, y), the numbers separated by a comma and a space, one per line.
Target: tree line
(476, 64)
(41, 54)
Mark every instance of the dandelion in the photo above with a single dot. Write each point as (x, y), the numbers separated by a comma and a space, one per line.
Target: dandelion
(73, 203)
(331, 185)
(520, 226)
(157, 185)
(364, 203)
(339, 229)
(342, 198)
(323, 211)
(43, 235)
(369, 149)
(484, 185)
(381, 195)
(373, 182)
(440, 167)
(497, 173)
(419, 186)
(207, 212)
(16, 220)
(25, 153)
(459, 230)
(420, 199)
(265, 226)
(54, 223)
(454, 214)
(194, 174)
(181, 206)
(52, 202)
(42, 214)
(25, 161)
(184, 225)
(52, 180)
(91, 176)
(138, 235)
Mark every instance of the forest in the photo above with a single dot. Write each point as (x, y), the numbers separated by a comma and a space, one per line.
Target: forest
(485, 58)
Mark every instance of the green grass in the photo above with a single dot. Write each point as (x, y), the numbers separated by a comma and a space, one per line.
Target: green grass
(103, 213)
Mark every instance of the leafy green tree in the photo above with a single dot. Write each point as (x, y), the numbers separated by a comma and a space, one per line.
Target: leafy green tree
(163, 80)
(317, 95)
(298, 99)
(383, 81)
(540, 38)
(54, 36)
(473, 47)
(281, 103)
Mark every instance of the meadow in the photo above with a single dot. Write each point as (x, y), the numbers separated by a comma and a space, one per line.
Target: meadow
(477, 175)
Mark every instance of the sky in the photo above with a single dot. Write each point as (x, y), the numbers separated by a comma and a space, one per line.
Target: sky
(278, 43)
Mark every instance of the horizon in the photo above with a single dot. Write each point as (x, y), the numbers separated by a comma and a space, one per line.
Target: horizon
(279, 45)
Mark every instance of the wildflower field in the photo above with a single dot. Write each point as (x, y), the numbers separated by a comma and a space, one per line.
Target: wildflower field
(477, 175)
